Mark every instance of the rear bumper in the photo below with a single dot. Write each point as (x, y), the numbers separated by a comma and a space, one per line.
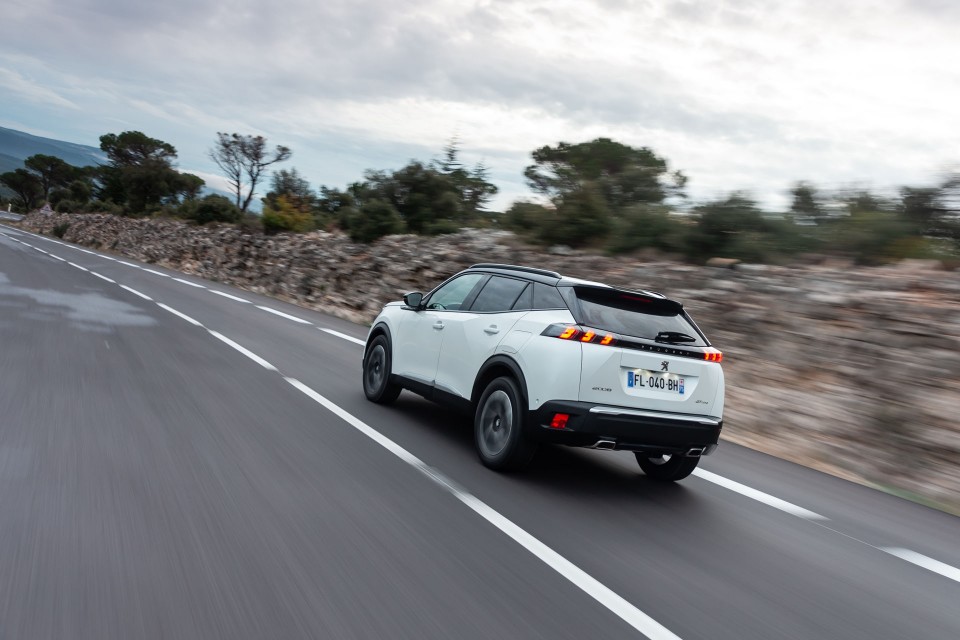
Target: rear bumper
(626, 428)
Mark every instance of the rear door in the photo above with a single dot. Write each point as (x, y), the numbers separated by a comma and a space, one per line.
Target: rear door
(472, 337)
(638, 370)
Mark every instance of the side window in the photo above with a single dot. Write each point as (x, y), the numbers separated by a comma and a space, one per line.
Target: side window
(525, 301)
(498, 294)
(450, 296)
(547, 297)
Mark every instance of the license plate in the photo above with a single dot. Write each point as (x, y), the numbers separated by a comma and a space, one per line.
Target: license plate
(655, 381)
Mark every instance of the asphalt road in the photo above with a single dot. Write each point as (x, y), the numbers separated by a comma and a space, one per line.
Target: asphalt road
(210, 469)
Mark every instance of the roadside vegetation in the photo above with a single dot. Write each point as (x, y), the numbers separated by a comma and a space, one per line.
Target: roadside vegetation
(600, 195)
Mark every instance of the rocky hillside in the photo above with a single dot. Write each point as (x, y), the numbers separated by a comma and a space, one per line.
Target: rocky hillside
(855, 371)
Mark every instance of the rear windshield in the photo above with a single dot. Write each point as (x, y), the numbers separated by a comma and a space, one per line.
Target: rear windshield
(634, 314)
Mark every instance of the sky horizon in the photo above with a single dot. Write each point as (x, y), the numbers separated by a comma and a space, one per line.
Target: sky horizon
(734, 95)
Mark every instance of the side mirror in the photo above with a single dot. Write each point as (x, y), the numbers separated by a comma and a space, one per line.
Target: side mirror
(413, 299)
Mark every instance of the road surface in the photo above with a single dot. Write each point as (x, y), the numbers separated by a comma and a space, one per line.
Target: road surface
(183, 459)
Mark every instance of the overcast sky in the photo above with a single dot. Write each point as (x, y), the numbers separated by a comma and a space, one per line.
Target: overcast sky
(749, 95)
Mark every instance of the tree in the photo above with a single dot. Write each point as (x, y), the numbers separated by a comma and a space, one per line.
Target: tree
(51, 171)
(26, 185)
(806, 202)
(623, 175)
(212, 208)
(243, 159)
(140, 172)
(291, 185)
(287, 215)
(475, 190)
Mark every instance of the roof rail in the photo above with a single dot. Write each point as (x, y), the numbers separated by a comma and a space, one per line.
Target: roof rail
(513, 267)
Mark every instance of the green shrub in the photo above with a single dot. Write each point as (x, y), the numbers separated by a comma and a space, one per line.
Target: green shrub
(60, 229)
(67, 206)
(212, 208)
(284, 215)
(374, 220)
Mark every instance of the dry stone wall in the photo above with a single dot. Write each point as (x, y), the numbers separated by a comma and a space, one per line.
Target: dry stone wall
(851, 370)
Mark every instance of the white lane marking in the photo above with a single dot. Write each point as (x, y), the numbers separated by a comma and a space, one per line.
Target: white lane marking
(129, 264)
(284, 315)
(580, 578)
(136, 293)
(108, 258)
(263, 363)
(103, 277)
(85, 251)
(177, 313)
(344, 336)
(227, 295)
(759, 496)
(77, 266)
(921, 560)
(58, 258)
(156, 273)
(42, 250)
(192, 284)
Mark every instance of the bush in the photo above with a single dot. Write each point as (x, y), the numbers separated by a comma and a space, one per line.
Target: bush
(101, 206)
(212, 208)
(67, 206)
(648, 227)
(61, 229)
(284, 215)
(375, 219)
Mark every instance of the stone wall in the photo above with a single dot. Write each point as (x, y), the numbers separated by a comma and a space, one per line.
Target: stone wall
(851, 370)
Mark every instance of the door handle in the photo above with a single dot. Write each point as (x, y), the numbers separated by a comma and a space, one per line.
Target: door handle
(438, 325)
(492, 329)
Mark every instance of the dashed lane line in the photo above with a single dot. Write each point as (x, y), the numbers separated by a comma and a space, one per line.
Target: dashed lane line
(284, 315)
(102, 277)
(136, 293)
(759, 496)
(927, 563)
(263, 363)
(178, 313)
(192, 284)
(227, 295)
(343, 335)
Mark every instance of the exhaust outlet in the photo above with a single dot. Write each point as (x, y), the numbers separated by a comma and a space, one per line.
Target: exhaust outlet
(605, 445)
(695, 452)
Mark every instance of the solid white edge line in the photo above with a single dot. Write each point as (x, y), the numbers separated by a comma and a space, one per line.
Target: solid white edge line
(156, 273)
(129, 264)
(584, 581)
(921, 560)
(137, 293)
(759, 496)
(77, 266)
(284, 315)
(177, 313)
(227, 295)
(58, 258)
(192, 284)
(263, 363)
(344, 336)
(103, 277)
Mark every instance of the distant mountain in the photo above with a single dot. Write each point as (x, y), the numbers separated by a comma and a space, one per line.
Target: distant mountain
(17, 146)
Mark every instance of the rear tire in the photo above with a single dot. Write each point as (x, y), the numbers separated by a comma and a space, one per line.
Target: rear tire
(498, 427)
(666, 468)
(377, 367)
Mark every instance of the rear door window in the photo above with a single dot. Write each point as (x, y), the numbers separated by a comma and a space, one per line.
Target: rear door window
(637, 315)
(525, 301)
(547, 297)
(498, 294)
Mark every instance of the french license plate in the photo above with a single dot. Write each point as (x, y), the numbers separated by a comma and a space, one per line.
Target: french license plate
(655, 380)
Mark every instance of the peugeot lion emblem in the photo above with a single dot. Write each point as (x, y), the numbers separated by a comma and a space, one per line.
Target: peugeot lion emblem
(664, 366)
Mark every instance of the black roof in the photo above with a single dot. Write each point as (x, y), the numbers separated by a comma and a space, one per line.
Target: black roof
(549, 277)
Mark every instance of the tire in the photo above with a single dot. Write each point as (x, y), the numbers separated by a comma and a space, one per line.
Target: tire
(498, 427)
(666, 468)
(377, 367)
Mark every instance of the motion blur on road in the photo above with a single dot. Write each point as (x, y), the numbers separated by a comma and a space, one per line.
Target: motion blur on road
(182, 459)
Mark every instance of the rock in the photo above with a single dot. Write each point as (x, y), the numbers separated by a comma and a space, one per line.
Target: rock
(723, 263)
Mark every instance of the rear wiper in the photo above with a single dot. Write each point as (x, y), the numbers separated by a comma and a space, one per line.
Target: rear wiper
(674, 336)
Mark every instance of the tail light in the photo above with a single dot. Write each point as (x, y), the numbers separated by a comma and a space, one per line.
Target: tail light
(575, 333)
(712, 355)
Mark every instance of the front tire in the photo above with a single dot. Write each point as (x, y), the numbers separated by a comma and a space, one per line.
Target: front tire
(498, 427)
(666, 468)
(377, 367)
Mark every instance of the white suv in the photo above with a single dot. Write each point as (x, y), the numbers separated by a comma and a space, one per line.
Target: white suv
(536, 357)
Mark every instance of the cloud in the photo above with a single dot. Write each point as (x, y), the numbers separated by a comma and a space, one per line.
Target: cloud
(737, 94)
